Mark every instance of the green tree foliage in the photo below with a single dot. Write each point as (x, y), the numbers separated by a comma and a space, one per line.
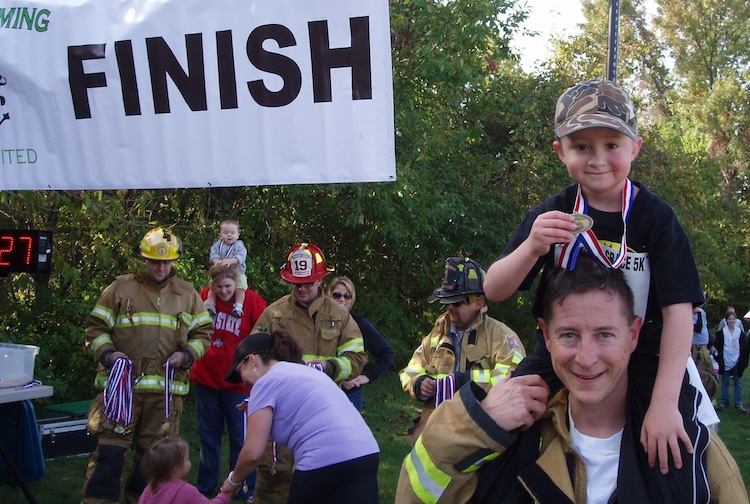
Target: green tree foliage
(473, 154)
(687, 67)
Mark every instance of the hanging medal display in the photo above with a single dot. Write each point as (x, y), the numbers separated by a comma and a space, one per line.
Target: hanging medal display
(118, 396)
(585, 233)
(168, 379)
(445, 388)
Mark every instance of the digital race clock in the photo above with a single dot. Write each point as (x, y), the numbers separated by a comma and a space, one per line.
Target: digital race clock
(25, 251)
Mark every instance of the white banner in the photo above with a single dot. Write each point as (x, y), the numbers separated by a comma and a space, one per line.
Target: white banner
(116, 94)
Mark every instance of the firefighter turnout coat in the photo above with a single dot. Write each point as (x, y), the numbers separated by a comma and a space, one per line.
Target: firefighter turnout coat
(149, 322)
(323, 330)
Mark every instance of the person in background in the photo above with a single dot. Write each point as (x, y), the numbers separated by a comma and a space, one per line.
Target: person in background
(341, 290)
(515, 443)
(166, 464)
(328, 336)
(215, 398)
(464, 345)
(228, 251)
(723, 322)
(732, 356)
(146, 330)
(699, 350)
(335, 454)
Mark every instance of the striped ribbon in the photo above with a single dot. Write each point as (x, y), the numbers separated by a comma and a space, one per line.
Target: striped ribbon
(168, 379)
(118, 396)
(317, 365)
(229, 249)
(445, 388)
(587, 239)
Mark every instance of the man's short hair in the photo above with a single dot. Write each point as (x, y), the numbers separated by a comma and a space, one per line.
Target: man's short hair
(588, 275)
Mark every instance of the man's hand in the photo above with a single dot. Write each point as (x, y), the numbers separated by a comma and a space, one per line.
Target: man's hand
(517, 402)
(428, 388)
(355, 383)
(177, 359)
(550, 228)
(661, 433)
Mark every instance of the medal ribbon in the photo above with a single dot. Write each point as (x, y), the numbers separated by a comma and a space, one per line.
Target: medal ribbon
(587, 239)
(317, 365)
(118, 396)
(445, 388)
(229, 249)
(168, 378)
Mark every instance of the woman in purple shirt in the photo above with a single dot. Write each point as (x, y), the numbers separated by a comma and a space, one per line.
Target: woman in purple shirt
(335, 454)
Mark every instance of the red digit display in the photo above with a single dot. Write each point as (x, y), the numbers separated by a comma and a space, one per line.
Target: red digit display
(6, 249)
(25, 251)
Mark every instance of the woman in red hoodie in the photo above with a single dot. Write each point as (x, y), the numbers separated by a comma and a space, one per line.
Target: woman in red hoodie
(216, 399)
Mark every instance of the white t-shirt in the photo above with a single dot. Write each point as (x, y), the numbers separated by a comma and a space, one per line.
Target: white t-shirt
(731, 347)
(602, 460)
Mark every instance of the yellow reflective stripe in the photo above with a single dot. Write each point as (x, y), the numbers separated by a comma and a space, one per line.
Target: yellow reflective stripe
(102, 339)
(410, 371)
(482, 461)
(147, 319)
(427, 481)
(149, 382)
(200, 319)
(197, 348)
(354, 345)
(105, 314)
(481, 375)
(345, 367)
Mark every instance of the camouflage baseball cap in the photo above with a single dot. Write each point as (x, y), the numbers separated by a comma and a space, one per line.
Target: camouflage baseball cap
(595, 103)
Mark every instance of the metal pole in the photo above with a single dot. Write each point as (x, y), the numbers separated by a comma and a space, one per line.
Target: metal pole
(614, 39)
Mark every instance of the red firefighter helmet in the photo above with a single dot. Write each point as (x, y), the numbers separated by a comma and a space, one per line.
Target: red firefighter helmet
(305, 263)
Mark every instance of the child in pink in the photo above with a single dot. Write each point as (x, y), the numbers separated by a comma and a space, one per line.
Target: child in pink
(166, 463)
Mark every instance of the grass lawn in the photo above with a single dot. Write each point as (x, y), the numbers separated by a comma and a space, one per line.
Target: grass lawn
(387, 410)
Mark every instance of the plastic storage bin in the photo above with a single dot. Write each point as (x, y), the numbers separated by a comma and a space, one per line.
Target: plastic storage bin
(16, 364)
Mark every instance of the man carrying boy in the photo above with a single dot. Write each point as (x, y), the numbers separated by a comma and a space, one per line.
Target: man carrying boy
(625, 226)
(515, 444)
(464, 345)
(328, 336)
(150, 327)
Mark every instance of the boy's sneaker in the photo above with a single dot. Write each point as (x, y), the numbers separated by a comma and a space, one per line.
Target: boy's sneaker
(741, 408)
(237, 310)
(212, 312)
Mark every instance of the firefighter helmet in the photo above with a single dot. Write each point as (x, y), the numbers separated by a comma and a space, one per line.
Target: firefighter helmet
(160, 244)
(305, 263)
(463, 276)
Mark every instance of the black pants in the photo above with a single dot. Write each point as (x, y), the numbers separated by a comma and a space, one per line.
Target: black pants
(351, 482)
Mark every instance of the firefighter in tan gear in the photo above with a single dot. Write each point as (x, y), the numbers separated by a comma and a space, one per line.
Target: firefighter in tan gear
(328, 336)
(151, 326)
(464, 345)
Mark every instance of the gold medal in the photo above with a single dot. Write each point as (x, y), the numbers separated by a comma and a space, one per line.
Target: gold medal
(583, 222)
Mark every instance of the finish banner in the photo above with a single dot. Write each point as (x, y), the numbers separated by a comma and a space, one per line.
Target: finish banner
(128, 94)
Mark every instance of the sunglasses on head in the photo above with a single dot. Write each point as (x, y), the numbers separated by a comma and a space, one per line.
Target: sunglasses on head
(339, 295)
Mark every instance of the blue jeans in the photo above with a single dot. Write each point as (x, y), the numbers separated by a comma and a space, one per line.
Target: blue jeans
(732, 373)
(214, 407)
(355, 396)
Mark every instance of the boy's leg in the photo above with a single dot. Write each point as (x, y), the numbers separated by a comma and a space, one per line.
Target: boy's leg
(647, 484)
